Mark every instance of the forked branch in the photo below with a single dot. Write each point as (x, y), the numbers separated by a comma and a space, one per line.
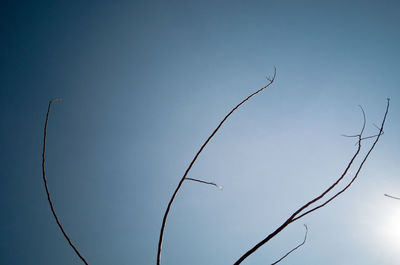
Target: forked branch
(47, 188)
(160, 241)
(297, 214)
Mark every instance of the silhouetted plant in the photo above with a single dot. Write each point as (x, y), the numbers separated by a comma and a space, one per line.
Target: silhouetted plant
(304, 210)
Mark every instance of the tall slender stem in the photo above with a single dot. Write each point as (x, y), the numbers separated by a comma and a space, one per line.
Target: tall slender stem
(160, 241)
(47, 188)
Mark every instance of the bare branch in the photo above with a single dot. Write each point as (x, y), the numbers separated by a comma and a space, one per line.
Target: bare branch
(372, 136)
(364, 120)
(206, 182)
(341, 177)
(363, 127)
(269, 79)
(350, 136)
(358, 170)
(45, 182)
(293, 217)
(376, 126)
(299, 245)
(390, 196)
(194, 160)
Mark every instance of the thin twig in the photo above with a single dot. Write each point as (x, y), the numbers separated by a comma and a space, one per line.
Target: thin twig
(376, 126)
(293, 217)
(206, 182)
(372, 136)
(351, 136)
(364, 120)
(45, 183)
(271, 80)
(363, 127)
(299, 245)
(364, 138)
(390, 196)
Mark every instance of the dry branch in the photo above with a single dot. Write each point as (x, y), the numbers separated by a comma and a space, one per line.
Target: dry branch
(47, 188)
(160, 241)
(295, 216)
(206, 182)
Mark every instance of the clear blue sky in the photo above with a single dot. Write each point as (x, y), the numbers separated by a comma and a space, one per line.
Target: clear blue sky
(143, 85)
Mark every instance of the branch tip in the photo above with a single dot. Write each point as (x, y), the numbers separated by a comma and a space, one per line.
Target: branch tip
(57, 99)
(271, 80)
(390, 196)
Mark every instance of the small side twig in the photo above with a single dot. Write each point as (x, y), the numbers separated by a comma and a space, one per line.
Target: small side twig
(390, 196)
(372, 136)
(295, 248)
(47, 188)
(206, 182)
(171, 201)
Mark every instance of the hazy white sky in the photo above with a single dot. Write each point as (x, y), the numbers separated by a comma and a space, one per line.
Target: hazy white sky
(143, 85)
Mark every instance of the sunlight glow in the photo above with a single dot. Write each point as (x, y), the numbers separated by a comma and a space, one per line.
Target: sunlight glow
(380, 228)
(390, 229)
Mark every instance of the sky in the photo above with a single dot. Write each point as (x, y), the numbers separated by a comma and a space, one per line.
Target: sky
(143, 84)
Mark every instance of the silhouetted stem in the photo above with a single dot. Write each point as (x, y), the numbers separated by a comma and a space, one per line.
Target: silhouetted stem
(293, 217)
(299, 245)
(46, 187)
(160, 241)
(206, 182)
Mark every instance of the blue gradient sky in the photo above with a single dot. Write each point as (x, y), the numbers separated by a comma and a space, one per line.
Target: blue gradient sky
(143, 85)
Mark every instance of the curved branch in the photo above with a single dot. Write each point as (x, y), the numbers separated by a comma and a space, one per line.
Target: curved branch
(364, 120)
(299, 245)
(160, 241)
(47, 188)
(293, 217)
